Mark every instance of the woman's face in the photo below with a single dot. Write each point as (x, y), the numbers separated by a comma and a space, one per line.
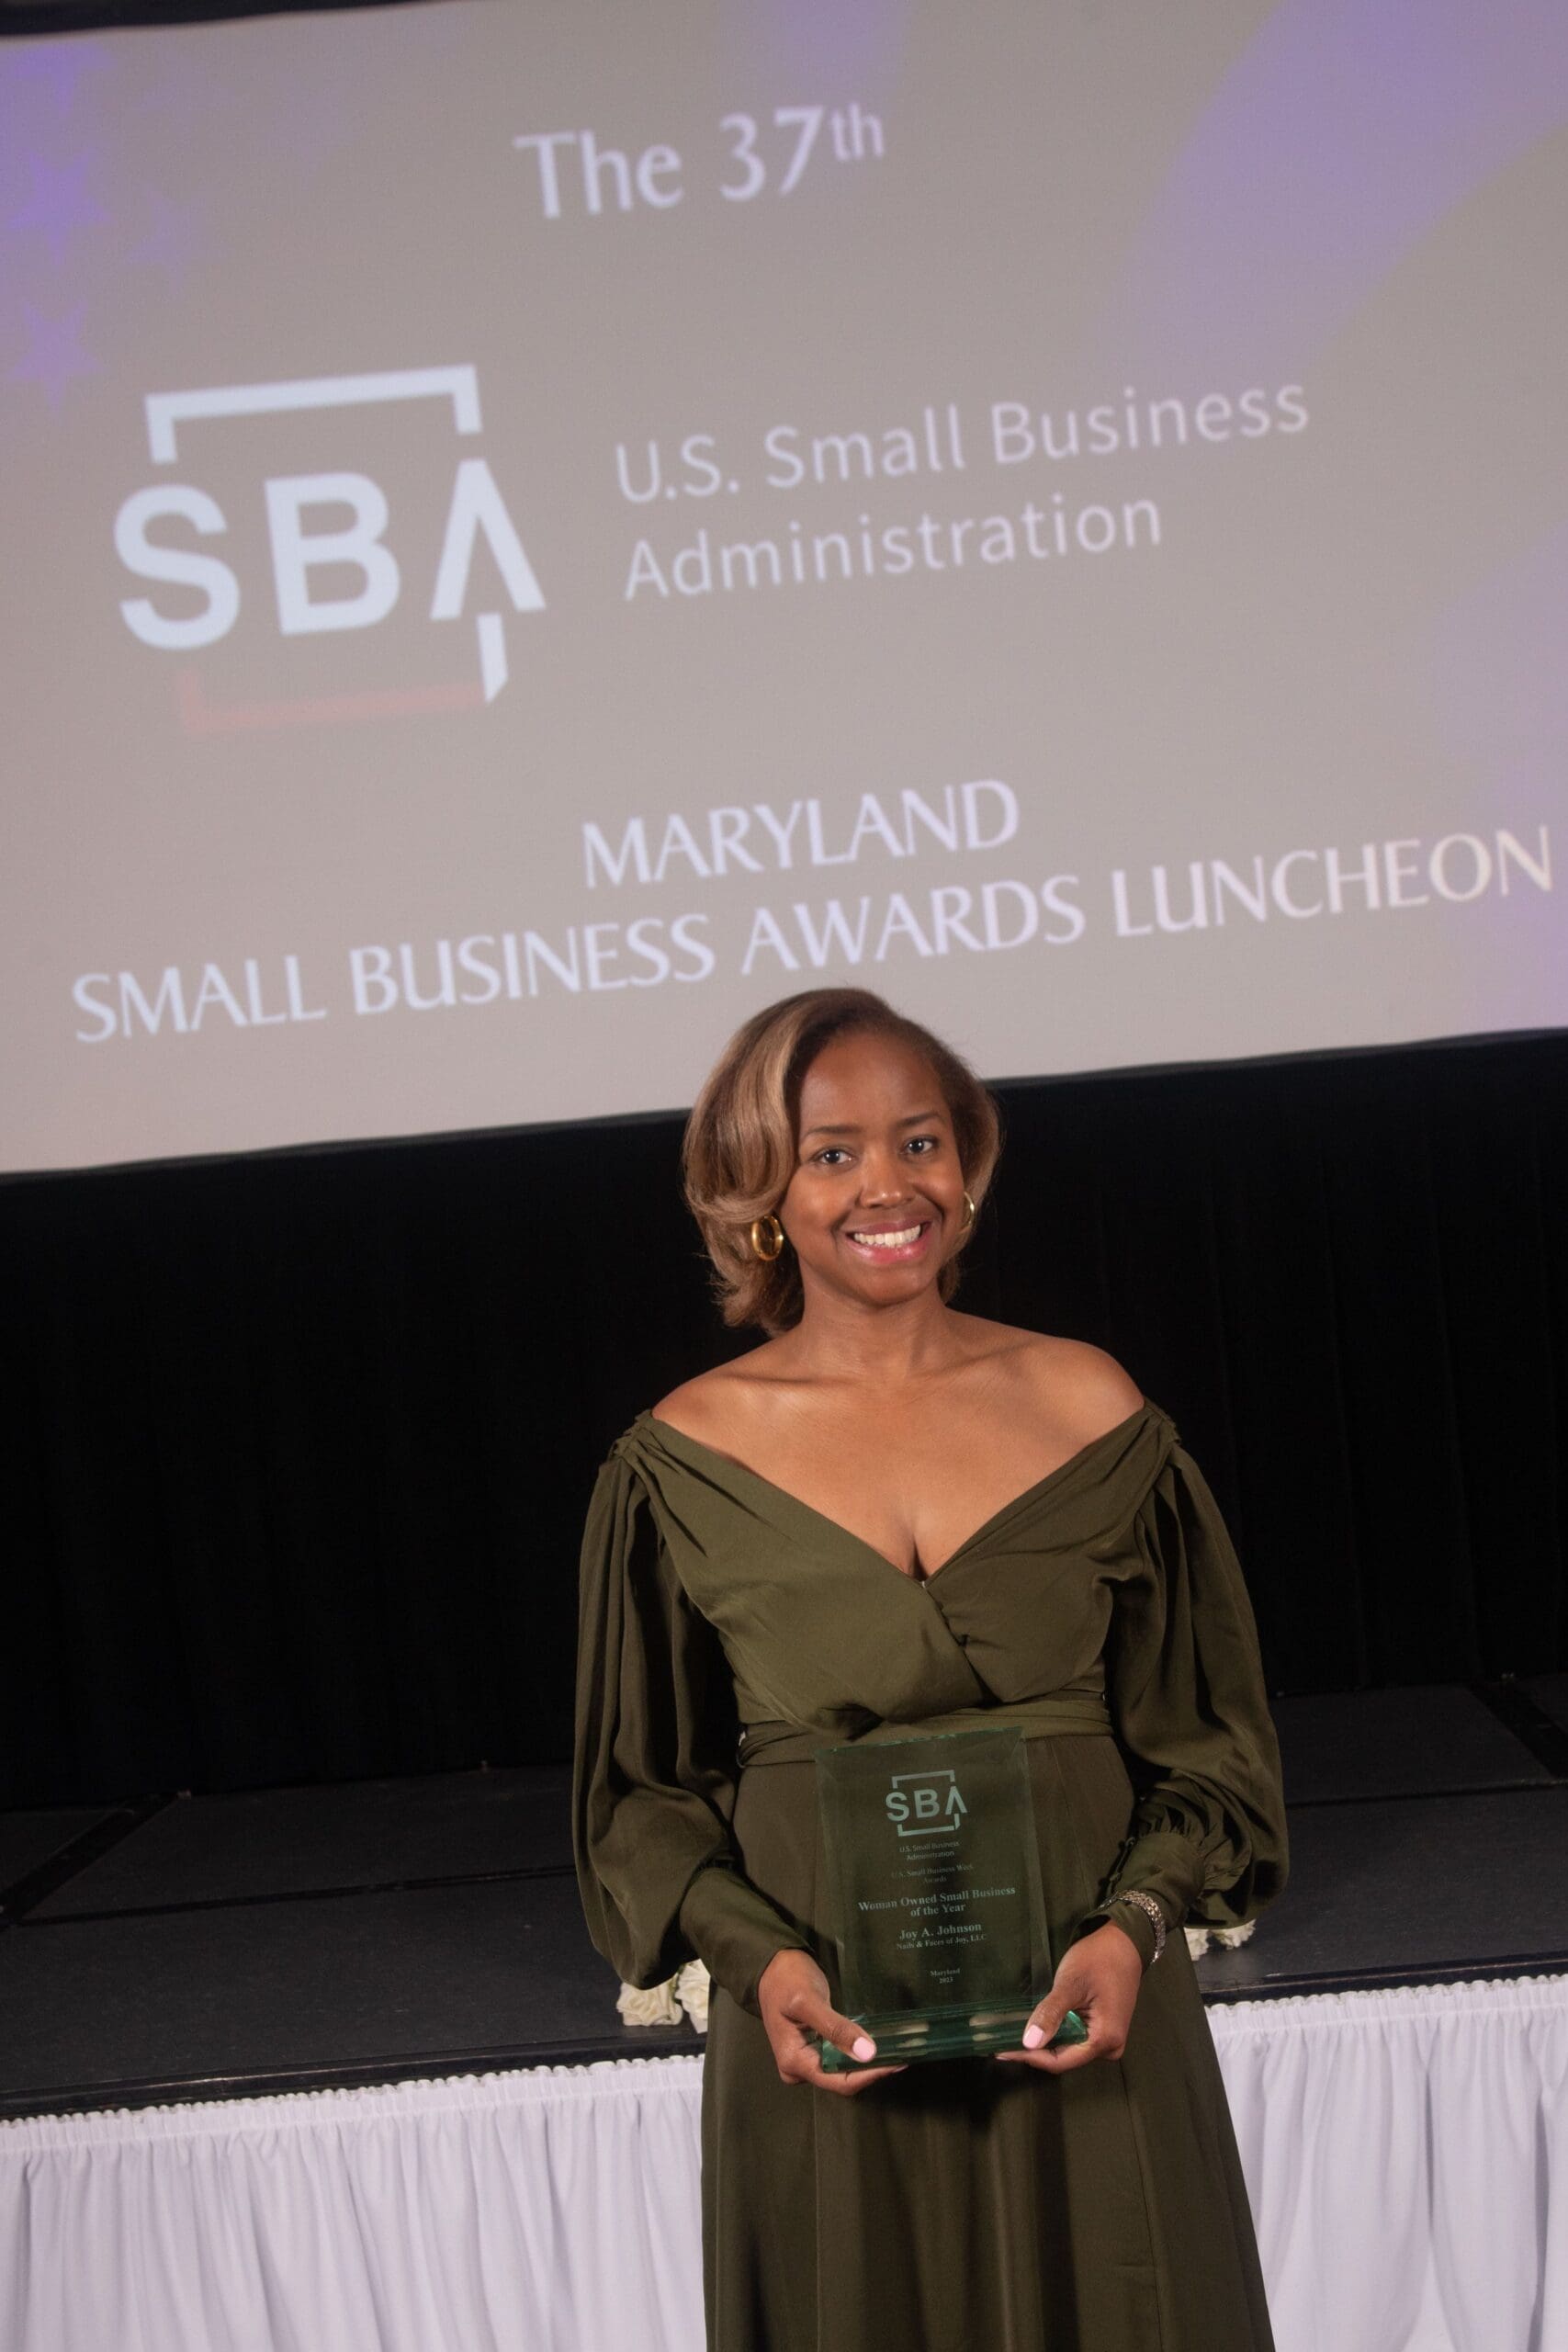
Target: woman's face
(876, 1202)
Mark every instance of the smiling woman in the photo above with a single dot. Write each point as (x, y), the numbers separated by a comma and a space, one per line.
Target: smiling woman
(742, 1158)
(890, 1520)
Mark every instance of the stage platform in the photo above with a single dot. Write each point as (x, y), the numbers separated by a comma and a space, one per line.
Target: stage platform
(173, 1948)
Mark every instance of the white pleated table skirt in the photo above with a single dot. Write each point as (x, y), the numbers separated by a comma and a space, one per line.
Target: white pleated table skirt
(1406, 2155)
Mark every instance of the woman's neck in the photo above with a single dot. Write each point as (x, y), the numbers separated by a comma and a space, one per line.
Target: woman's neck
(839, 1338)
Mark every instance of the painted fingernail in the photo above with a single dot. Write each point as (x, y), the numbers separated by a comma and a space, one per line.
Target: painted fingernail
(1034, 2035)
(863, 2048)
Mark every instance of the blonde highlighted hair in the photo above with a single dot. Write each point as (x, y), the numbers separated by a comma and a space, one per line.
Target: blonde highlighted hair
(740, 1148)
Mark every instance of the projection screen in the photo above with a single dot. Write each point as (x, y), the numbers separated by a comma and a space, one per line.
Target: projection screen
(531, 531)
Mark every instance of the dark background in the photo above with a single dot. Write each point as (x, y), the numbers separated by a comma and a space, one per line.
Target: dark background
(300, 1443)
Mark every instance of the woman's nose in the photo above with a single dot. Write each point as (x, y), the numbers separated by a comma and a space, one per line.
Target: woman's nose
(884, 1176)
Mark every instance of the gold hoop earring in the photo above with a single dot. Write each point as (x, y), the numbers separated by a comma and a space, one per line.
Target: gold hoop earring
(766, 1230)
(970, 1213)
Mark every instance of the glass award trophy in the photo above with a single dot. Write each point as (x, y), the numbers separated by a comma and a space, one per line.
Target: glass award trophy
(934, 1895)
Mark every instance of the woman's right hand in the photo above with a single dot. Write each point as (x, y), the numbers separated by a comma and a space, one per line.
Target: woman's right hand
(792, 1994)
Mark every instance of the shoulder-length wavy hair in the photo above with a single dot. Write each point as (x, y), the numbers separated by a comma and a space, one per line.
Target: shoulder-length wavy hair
(740, 1143)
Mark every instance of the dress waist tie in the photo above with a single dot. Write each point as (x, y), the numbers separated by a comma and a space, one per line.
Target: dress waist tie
(1061, 1716)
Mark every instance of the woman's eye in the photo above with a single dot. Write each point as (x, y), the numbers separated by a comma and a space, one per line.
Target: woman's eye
(831, 1154)
(924, 1144)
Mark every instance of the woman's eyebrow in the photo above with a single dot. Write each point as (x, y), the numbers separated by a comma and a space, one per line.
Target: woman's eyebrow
(915, 1119)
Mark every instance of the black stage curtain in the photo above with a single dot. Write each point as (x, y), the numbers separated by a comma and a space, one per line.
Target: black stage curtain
(301, 1443)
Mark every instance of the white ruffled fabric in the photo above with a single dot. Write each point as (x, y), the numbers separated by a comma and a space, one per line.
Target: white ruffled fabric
(555, 2210)
(684, 1994)
(1227, 1939)
(1406, 2155)
(692, 1992)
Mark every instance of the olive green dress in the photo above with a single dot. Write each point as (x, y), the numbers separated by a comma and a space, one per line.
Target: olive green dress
(962, 2206)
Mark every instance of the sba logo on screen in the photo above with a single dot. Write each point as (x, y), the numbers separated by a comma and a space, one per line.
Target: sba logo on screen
(317, 521)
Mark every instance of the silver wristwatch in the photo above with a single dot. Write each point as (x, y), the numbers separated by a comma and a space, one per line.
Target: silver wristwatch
(1146, 1904)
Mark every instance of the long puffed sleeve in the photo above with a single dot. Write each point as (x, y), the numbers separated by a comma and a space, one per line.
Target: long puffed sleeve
(653, 1782)
(1185, 1686)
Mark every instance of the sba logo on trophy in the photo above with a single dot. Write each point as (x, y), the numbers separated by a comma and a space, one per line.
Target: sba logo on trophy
(924, 1804)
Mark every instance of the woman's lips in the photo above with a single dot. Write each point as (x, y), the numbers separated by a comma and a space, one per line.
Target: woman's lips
(890, 1245)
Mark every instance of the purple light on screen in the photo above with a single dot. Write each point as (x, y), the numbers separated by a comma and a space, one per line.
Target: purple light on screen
(95, 253)
(58, 239)
(53, 358)
(1343, 134)
(57, 205)
(55, 70)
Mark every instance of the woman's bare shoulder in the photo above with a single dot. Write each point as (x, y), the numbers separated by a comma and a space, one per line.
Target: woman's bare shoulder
(1076, 1383)
(717, 1405)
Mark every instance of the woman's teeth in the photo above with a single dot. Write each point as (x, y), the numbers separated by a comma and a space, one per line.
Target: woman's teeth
(900, 1240)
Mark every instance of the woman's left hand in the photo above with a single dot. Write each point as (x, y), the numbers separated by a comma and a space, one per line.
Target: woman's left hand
(1099, 1978)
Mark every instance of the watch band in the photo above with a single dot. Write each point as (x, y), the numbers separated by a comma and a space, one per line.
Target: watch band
(1146, 1904)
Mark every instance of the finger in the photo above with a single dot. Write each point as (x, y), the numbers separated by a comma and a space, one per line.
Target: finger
(852, 2085)
(1105, 2040)
(811, 2071)
(1047, 2018)
(793, 2049)
(824, 2021)
(801, 2062)
(1037, 2043)
(1064, 2060)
